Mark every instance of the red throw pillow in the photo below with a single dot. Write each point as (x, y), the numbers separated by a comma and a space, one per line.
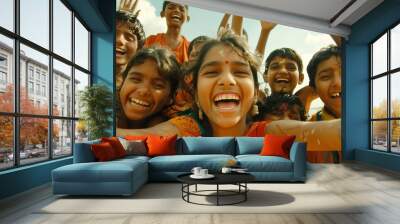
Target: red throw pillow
(161, 145)
(134, 137)
(116, 145)
(103, 152)
(277, 145)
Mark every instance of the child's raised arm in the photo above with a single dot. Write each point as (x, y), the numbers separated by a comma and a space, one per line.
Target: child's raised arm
(128, 5)
(307, 95)
(337, 39)
(266, 28)
(224, 21)
(237, 25)
(319, 136)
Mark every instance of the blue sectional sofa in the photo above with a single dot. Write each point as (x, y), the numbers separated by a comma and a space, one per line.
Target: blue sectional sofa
(125, 176)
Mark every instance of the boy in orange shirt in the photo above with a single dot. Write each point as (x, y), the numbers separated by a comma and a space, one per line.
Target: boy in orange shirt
(176, 15)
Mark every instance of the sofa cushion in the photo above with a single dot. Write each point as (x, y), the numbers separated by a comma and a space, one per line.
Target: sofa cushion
(161, 145)
(133, 157)
(103, 152)
(134, 147)
(185, 163)
(206, 145)
(257, 163)
(83, 152)
(116, 144)
(277, 145)
(249, 145)
(112, 171)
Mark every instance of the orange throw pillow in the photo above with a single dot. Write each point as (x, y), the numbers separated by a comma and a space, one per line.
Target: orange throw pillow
(277, 145)
(161, 145)
(103, 152)
(116, 145)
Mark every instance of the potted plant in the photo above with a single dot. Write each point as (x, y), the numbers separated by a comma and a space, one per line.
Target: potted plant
(96, 102)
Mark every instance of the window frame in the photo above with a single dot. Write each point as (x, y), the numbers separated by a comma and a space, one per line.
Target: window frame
(389, 73)
(16, 115)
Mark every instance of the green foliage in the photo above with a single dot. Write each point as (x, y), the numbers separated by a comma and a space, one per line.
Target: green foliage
(96, 103)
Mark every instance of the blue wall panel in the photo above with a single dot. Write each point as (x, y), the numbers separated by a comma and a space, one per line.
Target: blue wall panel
(380, 159)
(356, 97)
(24, 178)
(99, 16)
(103, 53)
(356, 116)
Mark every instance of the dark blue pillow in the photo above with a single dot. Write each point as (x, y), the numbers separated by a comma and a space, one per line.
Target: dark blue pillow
(83, 152)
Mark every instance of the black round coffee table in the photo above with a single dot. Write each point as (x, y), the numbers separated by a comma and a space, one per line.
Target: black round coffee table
(238, 179)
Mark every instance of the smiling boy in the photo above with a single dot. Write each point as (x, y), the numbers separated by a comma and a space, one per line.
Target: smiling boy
(324, 71)
(175, 15)
(283, 71)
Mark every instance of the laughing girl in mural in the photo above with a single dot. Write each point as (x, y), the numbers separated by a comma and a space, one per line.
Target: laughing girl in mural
(149, 84)
(225, 84)
(184, 96)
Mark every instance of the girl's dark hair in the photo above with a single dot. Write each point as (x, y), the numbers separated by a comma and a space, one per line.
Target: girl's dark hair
(167, 66)
(134, 26)
(199, 39)
(275, 101)
(240, 46)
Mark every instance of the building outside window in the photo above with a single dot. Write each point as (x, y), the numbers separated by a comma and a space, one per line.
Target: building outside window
(30, 87)
(30, 72)
(3, 78)
(38, 89)
(3, 61)
(57, 127)
(3, 72)
(43, 78)
(385, 94)
(37, 75)
(43, 90)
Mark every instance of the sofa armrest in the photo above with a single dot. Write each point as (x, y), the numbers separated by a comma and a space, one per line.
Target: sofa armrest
(298, 156)
(83, 152)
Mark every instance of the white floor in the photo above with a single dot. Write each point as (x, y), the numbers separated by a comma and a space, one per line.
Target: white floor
(377, 189)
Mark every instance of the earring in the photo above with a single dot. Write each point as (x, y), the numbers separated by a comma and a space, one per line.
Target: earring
(254, 110)
(200, 111)
(200, 114)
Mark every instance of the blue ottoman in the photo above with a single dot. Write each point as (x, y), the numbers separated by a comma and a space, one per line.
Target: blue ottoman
(118, 177)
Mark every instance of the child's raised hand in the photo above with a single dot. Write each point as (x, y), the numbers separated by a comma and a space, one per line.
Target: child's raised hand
(265, 25)
(128, 5)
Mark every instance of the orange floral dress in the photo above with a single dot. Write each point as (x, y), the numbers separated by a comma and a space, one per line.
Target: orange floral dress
(181, 51)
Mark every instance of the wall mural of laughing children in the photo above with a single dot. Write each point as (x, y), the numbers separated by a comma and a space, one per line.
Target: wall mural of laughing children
(200, 79)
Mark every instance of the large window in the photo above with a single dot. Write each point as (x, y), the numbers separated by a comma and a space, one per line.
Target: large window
(385, 93)
(44, 64)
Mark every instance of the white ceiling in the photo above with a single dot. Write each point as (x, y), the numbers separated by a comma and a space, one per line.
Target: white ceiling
(317, 15)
